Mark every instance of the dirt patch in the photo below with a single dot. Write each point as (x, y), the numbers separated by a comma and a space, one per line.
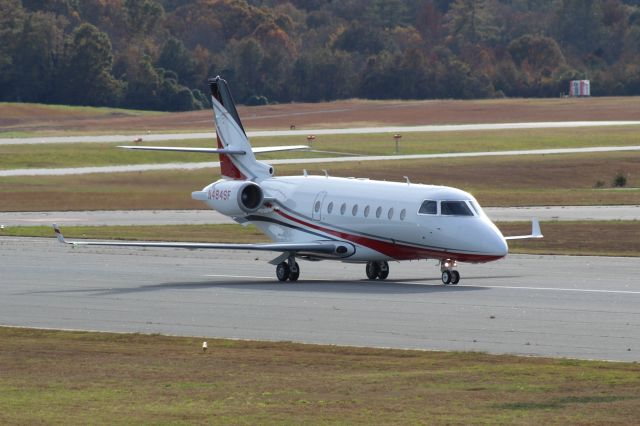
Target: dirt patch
(346, 113)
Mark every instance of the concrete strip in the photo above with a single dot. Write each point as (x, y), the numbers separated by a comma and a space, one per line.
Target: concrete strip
(352, 131)
(196, 166)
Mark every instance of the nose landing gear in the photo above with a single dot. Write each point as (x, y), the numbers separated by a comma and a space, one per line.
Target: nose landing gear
(449, 275)
(288, 270)
(377, 270)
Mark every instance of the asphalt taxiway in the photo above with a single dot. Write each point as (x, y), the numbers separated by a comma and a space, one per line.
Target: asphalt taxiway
(579, 307)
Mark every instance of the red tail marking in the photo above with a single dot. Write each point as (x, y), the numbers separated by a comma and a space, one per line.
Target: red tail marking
(227, 168)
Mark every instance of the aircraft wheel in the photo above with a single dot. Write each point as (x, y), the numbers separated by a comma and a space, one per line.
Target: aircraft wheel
(455, 277)
(372, 270)
(282, 271)
(446, 277)
(294, 272)
(384, 271)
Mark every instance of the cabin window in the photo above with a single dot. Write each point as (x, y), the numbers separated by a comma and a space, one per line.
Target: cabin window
(428, 207)
(343, 208)
(366, 211)
(330, 207)
(390, 214)
(378, 212)
(354, 210)
(317, 207)
(455, 208)
(403, 214)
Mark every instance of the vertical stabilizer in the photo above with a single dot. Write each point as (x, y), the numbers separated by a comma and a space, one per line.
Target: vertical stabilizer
(231, 135)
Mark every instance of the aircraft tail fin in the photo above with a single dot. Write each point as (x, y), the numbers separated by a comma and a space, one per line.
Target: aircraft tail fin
(232, 137)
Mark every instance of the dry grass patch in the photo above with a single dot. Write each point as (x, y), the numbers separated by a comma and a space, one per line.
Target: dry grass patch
(48, 119)
(594, 238)
(75, 377)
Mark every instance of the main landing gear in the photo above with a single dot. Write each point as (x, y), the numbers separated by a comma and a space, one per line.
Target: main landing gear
(449, 275)
(288, 270)
(377, 270)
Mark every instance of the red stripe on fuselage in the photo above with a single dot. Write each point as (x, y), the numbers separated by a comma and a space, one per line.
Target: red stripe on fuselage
(394, 250)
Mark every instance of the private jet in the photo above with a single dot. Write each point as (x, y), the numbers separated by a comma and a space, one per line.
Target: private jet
(333, 218)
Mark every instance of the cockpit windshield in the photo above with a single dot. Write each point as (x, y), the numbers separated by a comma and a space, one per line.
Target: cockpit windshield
(429, 207)
(455, 208)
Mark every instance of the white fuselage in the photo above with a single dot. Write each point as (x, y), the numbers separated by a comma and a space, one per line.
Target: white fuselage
(382, 220)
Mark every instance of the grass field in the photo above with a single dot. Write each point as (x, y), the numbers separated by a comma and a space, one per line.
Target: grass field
(99, 378)
(95, 154)
(596, 238)
(503, 181)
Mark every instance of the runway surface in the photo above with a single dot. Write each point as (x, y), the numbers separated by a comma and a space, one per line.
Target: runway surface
(203, 217)
(357, 130)
(582, 307)
(301, 161)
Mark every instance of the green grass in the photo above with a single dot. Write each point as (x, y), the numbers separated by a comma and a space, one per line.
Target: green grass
(495, 181)
(226, 233)
(594, 238)
(94, 154)
(98, 378)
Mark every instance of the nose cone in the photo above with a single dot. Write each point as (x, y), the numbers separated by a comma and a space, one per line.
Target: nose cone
(493, 243)
(499, 244)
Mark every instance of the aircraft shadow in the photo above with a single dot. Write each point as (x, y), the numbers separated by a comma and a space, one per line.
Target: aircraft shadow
(400, 286)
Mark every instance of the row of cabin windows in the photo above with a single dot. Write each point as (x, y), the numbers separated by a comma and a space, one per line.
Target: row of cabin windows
(367, 210)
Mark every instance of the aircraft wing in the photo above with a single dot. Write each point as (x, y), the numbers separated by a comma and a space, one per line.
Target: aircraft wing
(320, 247)
(258, 150)
(535, 232)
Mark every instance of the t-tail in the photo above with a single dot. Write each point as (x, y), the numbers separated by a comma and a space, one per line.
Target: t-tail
(232, 137)
(237, 159)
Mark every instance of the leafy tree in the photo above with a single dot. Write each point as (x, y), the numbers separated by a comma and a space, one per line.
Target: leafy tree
(86, 72)
(175, 57)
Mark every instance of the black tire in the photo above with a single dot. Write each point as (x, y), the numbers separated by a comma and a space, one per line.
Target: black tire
(282, 271)
(446, 277)
(455, 277)
(294, 273)
(384, 270)
(372, 270)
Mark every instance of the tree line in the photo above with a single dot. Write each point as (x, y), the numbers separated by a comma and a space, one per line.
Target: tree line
(157, 54)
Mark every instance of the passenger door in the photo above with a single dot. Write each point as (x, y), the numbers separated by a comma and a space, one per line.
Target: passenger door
(316, 212)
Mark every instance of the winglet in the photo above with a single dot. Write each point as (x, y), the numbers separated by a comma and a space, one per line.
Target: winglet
(535, 231)
(59, 234)
(535, 228)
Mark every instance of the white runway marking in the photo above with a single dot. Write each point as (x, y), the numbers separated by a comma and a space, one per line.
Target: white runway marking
(580, 290)
(391, 282)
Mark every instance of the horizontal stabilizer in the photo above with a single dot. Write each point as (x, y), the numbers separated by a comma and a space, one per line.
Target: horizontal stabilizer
(258, 150)
(180, 149)
(535, 232)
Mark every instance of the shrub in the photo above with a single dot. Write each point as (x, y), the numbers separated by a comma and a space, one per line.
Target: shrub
(620, 180)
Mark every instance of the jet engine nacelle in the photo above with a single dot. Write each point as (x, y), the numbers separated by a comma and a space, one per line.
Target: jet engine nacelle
(235, 198)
